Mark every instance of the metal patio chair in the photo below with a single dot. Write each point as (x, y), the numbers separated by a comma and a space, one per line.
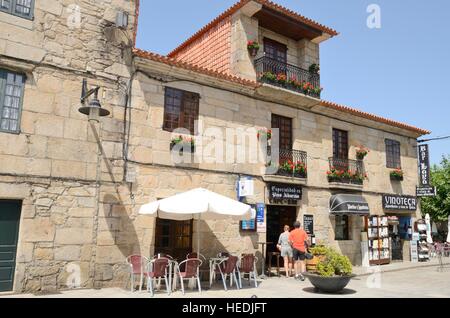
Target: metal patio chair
(247, 266)
(137, 264)
(228, 267)
(156, 269)
(191, 270)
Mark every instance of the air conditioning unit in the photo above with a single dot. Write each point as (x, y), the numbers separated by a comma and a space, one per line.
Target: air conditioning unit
(122, 19)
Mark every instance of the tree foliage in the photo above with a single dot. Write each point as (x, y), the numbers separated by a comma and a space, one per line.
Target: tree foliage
(439, 206)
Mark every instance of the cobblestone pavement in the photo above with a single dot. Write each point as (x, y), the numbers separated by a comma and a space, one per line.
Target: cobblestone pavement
(411, 283)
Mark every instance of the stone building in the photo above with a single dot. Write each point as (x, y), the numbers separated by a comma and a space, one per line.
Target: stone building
(70, 190)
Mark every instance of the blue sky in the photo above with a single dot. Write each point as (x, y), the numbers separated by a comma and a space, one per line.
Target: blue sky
(401, 71)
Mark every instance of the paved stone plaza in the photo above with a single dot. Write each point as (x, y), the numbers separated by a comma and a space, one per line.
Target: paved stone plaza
(422, 282)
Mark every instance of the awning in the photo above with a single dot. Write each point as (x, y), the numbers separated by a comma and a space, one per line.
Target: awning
(348, 204)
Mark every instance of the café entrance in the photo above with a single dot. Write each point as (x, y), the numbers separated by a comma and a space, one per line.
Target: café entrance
(277, 217)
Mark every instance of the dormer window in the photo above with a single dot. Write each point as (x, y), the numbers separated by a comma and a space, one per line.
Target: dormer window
(21, 8)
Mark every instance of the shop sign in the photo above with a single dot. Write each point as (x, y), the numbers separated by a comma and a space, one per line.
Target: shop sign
(424, 165)
(249, 225)
(398, 202)
(428, 191)
(246, 187)
(308, 224)
(285, 192)
(260, 219)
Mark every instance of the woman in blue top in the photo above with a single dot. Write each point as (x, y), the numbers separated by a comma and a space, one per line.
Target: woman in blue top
(286, 250)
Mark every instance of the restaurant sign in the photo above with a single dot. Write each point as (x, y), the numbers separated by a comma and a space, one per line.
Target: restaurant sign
(285, 192)
(424, 165)
(428, 191)
(398, 202)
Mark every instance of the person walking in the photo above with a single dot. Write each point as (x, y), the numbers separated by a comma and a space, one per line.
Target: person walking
(286, 250)
(298, 239)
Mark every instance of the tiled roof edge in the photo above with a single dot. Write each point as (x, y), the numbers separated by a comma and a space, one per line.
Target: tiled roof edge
(373, 117)
(189, 66)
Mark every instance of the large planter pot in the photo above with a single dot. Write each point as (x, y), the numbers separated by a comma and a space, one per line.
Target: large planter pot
(329, 284)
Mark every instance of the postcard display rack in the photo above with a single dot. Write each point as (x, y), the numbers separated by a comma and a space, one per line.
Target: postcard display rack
(378, 234)
(421, 228)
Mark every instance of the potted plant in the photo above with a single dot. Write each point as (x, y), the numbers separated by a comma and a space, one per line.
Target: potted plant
(267, 134)
(253, 48)
(184, 143)
(314, 69)
(300, 169)
(397, 175)
(361, 152)
(268, 77)
(282, 79)
(333, 272)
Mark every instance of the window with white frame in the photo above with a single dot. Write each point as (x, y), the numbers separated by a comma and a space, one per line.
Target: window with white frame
(21, 8)
(11, 97)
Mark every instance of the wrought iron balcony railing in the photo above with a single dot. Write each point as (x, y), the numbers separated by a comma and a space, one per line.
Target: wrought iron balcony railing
(292, 163)
(288, 76)
(346, 171)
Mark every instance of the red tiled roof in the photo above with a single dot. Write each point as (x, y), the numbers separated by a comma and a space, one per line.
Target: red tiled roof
(242, 3)
(195, 68)
(373, 117)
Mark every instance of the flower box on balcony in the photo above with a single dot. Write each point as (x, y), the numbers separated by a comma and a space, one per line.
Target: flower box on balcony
(346, 171)
(288, 76)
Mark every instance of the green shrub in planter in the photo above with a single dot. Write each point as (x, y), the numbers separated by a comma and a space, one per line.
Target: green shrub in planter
(334, 264)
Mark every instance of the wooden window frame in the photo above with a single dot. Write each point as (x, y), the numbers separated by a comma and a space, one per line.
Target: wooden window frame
(277, 122)
(183, 116)
(338, 142)
(12, 10)
(3, 84)
(393, 154)
(277, 46)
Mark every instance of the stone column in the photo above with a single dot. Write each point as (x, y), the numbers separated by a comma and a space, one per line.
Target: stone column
(243, 29)
(308, 53)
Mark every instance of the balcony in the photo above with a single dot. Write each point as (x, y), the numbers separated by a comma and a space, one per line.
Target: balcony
(288, 76)
(346, 173)
(292, 167)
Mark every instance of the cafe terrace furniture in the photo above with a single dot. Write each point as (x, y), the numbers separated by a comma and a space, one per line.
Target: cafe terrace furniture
(198, 204)
(277, 256)
(204, 270)
(247, 266)
(137, 264)
(158, 268)
(228, 267)
(189, 269)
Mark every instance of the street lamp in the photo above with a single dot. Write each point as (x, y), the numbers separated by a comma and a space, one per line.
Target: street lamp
(94, 109)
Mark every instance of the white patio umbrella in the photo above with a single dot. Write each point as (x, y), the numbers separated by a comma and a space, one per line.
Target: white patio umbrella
(197, 204)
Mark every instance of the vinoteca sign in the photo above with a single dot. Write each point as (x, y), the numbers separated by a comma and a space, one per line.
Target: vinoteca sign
(399, 202)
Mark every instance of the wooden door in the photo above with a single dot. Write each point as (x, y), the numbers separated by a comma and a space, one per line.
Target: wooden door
(9, 233)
